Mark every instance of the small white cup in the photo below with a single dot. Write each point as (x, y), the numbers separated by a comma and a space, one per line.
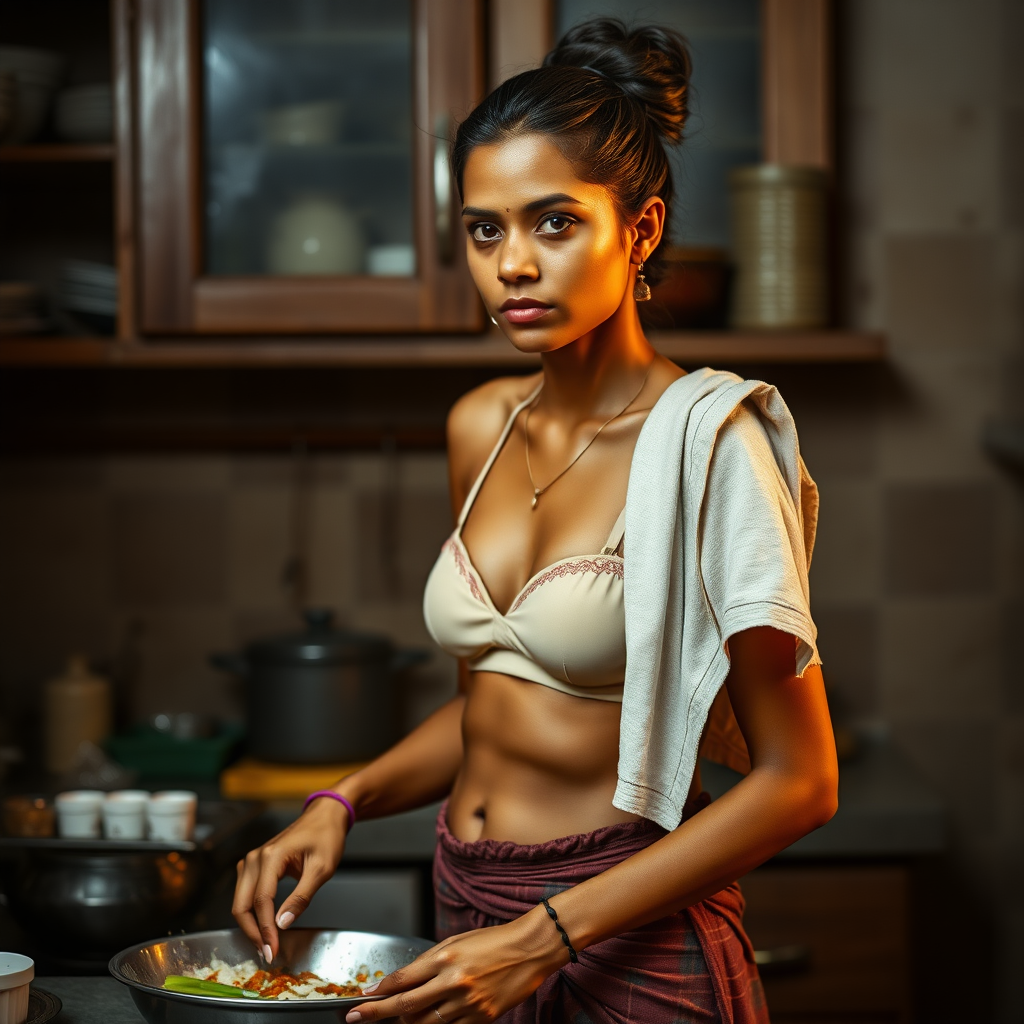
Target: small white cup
(172, 815)
(16, 974)
(124, 814)
(78, 813)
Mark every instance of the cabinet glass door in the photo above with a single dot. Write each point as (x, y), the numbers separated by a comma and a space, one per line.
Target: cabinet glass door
(308, 157)
(292, 175)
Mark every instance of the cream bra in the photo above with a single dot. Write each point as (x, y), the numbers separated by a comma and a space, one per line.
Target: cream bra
(565, 629)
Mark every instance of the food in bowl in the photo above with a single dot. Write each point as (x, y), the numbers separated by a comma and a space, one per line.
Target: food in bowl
(277, 984)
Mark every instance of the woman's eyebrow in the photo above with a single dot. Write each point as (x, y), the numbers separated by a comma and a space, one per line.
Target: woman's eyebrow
(555, 199)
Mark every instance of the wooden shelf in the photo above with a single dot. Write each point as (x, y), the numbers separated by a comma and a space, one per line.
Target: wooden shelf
(717, 348)
(58, 152)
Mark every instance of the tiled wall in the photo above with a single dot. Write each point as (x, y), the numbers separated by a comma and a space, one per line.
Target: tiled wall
(153, 563)
(923, 609)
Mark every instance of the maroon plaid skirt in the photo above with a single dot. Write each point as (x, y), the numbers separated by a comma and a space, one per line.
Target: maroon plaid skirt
(693, 966)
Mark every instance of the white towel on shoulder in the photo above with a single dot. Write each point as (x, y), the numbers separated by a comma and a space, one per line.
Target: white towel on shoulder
(720, 522)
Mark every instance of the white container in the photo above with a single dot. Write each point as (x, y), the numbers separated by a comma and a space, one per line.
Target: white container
(16, 974)
(125, 814)
(391, 261)
(172, 815)
(78, 813)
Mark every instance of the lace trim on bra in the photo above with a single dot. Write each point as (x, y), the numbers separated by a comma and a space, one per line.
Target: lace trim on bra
(598, 566)
(464, 570)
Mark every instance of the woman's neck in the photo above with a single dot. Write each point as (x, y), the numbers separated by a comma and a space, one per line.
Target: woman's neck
(597, 373)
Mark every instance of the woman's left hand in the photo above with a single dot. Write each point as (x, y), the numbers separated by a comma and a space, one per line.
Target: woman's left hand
(470, 978)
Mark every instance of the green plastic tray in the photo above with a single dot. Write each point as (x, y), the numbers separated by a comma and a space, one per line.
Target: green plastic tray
(156, 753)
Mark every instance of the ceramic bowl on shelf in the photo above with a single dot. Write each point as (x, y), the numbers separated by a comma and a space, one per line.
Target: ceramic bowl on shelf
(36, 74)
(315, 235)
(85, 113)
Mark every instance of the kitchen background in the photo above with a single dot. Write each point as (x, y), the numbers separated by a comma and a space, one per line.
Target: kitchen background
(147, 561)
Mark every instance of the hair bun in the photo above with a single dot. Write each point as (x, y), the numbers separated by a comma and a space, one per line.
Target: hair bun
(649, 63)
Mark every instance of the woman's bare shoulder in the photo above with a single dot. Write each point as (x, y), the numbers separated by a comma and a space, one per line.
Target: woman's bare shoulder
(476, 421)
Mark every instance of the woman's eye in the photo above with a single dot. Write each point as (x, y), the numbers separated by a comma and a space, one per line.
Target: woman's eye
(556, 224)
(485, 232)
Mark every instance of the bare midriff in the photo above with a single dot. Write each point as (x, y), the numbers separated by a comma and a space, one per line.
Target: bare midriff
(537, 764)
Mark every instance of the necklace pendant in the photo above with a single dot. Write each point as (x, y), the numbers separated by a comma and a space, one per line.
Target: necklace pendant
(533, 504)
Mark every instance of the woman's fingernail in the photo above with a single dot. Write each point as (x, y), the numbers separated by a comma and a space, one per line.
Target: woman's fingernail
(267, 955)
(354, 1017)
(286, 919)
(371, 988)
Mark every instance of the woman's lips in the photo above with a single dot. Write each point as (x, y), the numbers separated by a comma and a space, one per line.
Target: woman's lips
(524, 314)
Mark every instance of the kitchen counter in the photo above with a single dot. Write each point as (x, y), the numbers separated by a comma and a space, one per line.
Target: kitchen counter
(91, 1001)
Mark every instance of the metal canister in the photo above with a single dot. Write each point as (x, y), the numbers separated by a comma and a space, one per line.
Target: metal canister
(780, 247)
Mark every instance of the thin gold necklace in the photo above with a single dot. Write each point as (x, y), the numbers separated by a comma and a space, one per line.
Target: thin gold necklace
(538, 491)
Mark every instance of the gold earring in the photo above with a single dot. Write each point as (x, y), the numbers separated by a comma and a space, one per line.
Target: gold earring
(641, 289)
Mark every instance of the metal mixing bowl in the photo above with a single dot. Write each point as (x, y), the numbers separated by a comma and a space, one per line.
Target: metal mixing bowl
(333, 955)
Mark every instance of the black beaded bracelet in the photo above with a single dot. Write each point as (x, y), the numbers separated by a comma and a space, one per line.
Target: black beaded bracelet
(561, 931)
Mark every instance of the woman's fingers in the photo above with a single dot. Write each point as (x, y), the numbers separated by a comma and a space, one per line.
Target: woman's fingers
(313, 875)
(241, 906)
(408, 990)
(404, 1004)
(264, 893)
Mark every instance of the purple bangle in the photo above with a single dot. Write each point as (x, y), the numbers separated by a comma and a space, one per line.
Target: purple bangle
(334, 796)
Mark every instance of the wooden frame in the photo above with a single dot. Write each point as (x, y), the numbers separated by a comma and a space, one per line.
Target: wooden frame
(177, 298)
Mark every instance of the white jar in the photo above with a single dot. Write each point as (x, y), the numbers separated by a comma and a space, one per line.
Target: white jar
(16, 974)
(78, 813)
(124, 814)
(172, 815)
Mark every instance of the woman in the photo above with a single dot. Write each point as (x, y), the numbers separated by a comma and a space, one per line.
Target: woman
(580, 873)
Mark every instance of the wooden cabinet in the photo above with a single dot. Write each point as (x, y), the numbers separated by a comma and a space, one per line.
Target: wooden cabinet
(188, 298)
(301, 138)
(832, 941)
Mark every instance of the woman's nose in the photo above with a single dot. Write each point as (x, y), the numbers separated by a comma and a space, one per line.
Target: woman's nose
(517, 261)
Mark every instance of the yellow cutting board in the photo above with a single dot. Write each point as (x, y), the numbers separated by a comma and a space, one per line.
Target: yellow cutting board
(249, 779)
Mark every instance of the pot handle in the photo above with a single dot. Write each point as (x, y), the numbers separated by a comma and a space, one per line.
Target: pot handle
(408, 658)
(233, 663)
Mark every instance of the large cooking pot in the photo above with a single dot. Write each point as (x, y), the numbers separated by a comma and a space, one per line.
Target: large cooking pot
(324, 695)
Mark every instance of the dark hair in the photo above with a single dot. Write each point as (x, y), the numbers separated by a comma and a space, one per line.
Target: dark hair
(610, 97)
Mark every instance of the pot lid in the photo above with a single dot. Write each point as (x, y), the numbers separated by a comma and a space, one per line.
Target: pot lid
(320, 644)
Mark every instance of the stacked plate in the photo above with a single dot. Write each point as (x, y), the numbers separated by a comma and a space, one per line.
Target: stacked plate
(85, 113)
(19, 308)
(89, 292)
(779, 247)
(36, 74)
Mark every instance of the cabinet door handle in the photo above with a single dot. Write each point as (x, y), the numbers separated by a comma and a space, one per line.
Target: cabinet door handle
(782, 959)
(442, 190)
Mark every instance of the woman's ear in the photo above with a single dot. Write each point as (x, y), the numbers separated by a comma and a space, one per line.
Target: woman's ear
(647, 230)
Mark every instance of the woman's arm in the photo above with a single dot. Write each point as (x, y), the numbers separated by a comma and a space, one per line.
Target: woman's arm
(418, 770)
(790, 791)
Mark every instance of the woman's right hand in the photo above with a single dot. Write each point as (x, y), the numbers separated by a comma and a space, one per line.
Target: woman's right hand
(308, 850)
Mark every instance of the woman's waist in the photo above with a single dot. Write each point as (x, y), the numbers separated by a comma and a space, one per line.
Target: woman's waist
(521, 735)
(600, 847)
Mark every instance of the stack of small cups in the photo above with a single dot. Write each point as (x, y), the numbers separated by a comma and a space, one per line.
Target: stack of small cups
(127, 814)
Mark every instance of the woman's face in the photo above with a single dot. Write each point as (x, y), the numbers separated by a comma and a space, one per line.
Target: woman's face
(547, 251)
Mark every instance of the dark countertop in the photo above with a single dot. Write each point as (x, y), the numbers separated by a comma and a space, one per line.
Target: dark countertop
(91, 1001)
